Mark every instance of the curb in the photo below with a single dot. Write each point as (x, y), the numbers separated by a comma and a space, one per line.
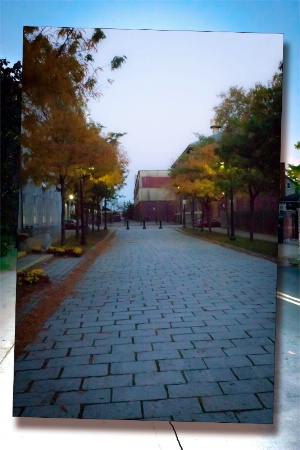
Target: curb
(230, 247)
(35, 262)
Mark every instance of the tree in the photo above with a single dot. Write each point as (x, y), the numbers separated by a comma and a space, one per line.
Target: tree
(293, 172)
(59, 78)
(11, 91)
(195, 175)
(251, 134)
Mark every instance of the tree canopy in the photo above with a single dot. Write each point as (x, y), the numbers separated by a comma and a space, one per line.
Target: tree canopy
(11, 88)
(251, 136)
(58, 79)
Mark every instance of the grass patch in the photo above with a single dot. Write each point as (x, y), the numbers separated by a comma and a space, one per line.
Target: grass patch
(8, 262)
(93, 237)
(258, 246)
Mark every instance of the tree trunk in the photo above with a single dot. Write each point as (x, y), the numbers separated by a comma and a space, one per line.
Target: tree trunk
(62, 222)
(193, 212)
(83, 231)
(232, 232)
(209, 214)
(77, 212)
(252, 208)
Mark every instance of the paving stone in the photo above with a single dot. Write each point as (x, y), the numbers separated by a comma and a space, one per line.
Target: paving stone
(109, 381)
(234, 402)
(85, 370)
(171, 407)
(153, 392)
(191, 337)
(246, 386)
(251, 341)
(227, 361)
(251, 350)
(28, 365)
(37, 374)
(32, 399)
(74, 344)
(265, 416)
(160, 378)
(133, 367)
(154, 355)
(146, 339)
(114, 357)
(248, 373)
(111, 341)
(267, 398)
(114, 411)
(266, 358)
(52, 411)
(147, 347)
(208, 375)
(90, 350)
(21, 386)
(68, 361)
(67, 384)
(45, 354)
(179, 345)
(181, 364)
(194, 390)
(83, 397)
(219, 417)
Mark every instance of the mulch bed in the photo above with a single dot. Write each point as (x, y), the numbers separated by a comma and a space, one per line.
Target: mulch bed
(52, 295)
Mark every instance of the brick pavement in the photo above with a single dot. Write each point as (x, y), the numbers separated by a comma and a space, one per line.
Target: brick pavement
(162, 327)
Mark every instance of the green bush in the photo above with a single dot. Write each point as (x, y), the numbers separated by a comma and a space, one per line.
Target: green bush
(4, 247)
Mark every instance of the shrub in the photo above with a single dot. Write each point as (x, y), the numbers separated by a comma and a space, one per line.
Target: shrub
(63, 251)
(36, 249)
(33, 276)
(56, 250)
(74, 251)
(4, 249)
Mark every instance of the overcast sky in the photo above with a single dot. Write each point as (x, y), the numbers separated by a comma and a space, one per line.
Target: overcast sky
(170, 83)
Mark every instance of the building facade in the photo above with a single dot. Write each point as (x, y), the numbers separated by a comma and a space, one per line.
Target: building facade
(39, 208)
(154, 199)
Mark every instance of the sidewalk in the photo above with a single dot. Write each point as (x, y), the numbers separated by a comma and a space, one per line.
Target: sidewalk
(158, 329)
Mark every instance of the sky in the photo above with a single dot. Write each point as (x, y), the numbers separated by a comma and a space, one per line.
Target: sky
(169, 85)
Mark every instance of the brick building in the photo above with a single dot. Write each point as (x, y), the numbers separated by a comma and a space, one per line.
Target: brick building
(153, 198)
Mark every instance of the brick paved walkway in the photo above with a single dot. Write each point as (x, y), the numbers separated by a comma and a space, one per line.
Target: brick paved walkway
(162, 327)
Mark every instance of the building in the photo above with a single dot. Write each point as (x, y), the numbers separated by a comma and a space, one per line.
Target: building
(39, 208)
(154, 200)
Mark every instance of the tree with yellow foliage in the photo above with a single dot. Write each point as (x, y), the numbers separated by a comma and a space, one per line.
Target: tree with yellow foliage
(59, 146)
(196, 174)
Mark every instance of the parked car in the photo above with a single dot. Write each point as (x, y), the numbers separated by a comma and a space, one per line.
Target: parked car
(70, 224)
(204, 224)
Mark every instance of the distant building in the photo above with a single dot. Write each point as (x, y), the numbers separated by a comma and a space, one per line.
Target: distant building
(154, 200)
